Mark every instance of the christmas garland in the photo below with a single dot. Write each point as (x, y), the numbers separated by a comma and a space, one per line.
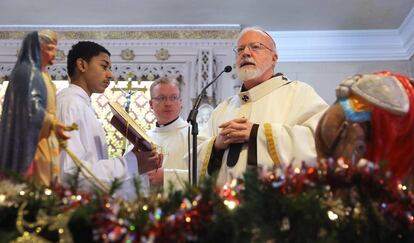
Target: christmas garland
(332, 202)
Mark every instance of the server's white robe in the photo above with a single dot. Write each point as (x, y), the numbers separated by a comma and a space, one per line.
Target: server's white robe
(89, 145)
(173, 141)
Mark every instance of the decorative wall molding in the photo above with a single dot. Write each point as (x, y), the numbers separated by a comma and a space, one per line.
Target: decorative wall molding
(136, 59)
(148, 71)
(127, 32)
(162, 54)
(352, 45)
(205, 73)
(406, 31)
(97, 28)
(127, 54)
(333, 46)
(15, 43)
(134, 35)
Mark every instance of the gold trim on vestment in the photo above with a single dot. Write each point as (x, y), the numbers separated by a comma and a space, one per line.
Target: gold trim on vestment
(271, 147)
(207, 157)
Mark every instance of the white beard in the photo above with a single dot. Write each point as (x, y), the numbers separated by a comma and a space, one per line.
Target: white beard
(244, 74)
(249, 73)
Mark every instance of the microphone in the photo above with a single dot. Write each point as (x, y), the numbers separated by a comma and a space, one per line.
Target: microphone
(227, 69)
(193, 113)
(194, 129)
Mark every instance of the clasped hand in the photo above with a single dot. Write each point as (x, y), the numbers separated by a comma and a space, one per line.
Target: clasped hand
(233, 131)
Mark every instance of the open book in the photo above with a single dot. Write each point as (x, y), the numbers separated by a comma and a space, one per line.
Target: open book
(129, 128)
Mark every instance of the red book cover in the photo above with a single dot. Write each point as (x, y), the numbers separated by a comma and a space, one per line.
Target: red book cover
(129, 128)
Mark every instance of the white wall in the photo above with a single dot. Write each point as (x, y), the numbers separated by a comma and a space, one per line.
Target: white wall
(324, 76)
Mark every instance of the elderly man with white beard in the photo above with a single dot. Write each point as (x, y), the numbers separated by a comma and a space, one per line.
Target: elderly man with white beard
(271, 122)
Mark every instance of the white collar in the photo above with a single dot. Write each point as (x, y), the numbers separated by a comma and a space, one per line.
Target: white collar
(177, 124)
(76, 89)
(258, 91)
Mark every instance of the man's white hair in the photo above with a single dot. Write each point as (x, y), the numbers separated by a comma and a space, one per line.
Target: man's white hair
(260, 29)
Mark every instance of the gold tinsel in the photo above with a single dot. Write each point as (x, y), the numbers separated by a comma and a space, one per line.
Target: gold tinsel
(58, 222)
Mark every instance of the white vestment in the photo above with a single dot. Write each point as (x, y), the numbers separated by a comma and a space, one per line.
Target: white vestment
(89, 145)
(173, 140)
(287, 114)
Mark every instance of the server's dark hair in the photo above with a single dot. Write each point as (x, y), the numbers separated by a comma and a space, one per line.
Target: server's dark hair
(85, 50)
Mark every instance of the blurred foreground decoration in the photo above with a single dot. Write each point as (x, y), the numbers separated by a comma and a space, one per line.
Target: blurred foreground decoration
(335, 201)
(373, 118)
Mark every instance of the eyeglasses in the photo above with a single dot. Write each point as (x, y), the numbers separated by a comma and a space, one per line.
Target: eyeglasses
(162, 98)
(254, 47)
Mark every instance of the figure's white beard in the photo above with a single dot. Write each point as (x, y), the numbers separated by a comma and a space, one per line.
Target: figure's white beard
(244, 74)
(249, 73)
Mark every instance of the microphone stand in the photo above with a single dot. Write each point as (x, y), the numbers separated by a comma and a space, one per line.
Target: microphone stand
(192, 119)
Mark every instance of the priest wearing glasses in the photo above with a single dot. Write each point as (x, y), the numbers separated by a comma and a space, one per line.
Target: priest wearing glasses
(270, 122)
